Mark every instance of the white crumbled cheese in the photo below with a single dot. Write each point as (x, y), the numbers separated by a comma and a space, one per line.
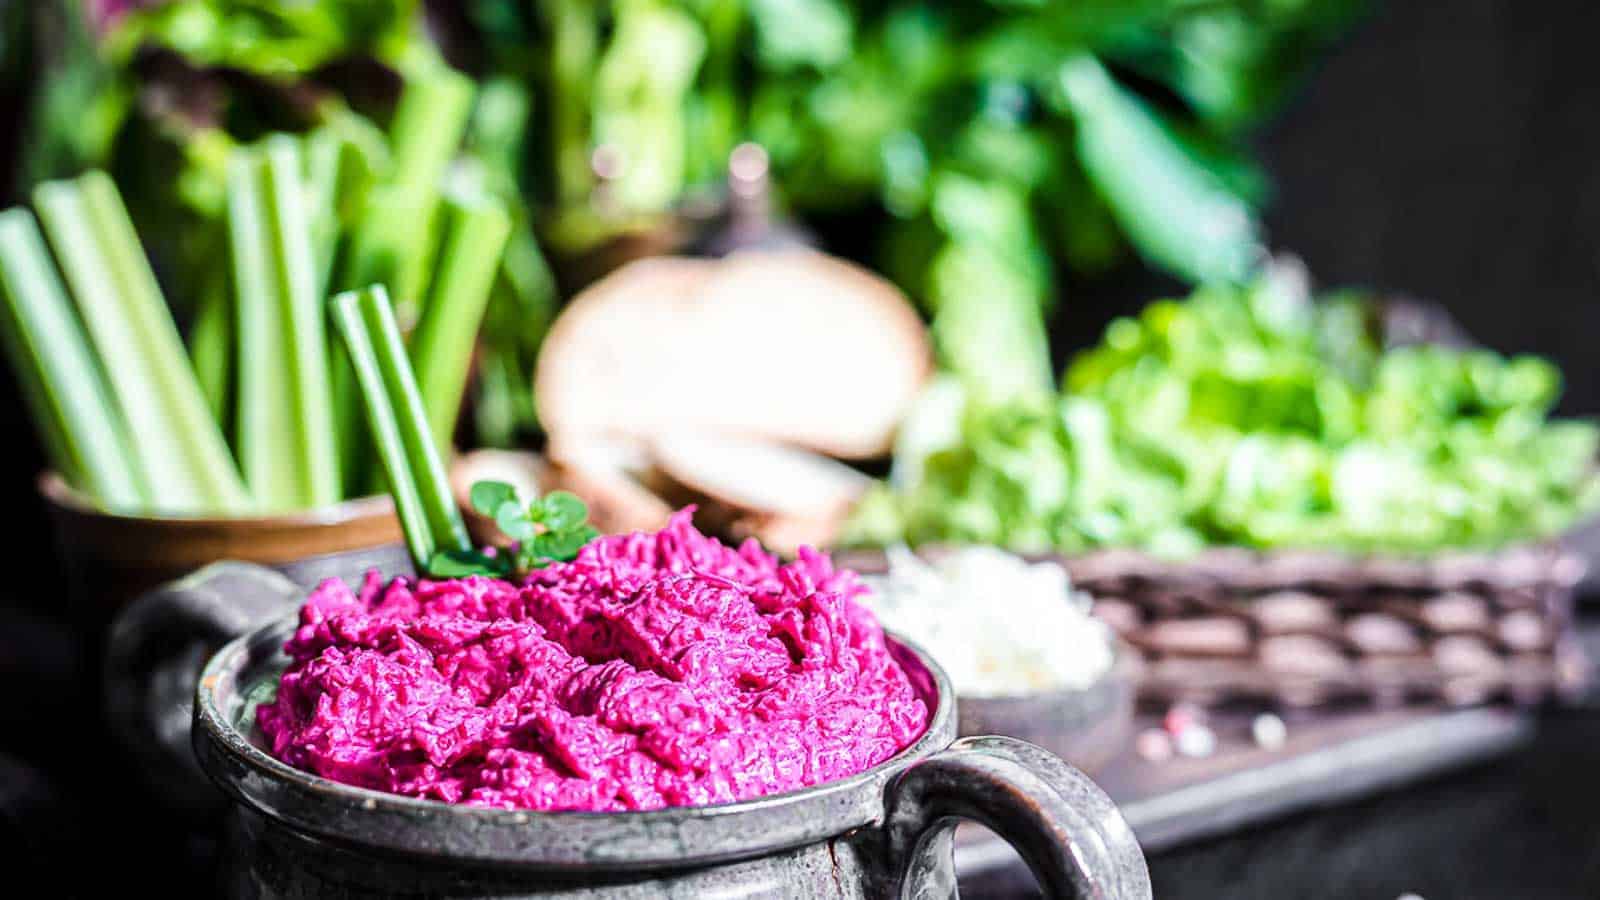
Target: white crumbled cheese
(999, 625)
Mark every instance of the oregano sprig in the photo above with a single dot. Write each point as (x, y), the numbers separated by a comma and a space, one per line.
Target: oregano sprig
(546, 529)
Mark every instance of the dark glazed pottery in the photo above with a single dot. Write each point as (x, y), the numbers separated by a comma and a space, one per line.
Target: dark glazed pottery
(158, 643)
(884, 832)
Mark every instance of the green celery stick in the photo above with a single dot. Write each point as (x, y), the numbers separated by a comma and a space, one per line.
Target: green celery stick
(476, 229)
(340, 165)
(211, 346)
(427, 467)
(338, 171)
(417, 479)
(324, 152)
(262, 424)
(429, 122)
(394, 239)
(385, 426)
(394, 242)
(180, 445)
(354, 441)
(82, 429)
(286, 439)
(299, 303)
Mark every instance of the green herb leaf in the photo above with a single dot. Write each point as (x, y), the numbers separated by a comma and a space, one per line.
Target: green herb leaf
(461, 563)
(563, 511)
(557, 545)
(488, 496)
(547, 529)
(513, 520)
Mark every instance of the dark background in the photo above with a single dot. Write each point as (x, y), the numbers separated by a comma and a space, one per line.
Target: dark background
(1449, 150)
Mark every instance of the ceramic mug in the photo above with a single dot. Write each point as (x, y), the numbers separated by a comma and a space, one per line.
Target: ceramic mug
(884, 832)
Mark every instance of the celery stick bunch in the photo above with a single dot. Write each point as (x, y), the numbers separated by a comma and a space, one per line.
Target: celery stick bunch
(137, 424)
(120, 409)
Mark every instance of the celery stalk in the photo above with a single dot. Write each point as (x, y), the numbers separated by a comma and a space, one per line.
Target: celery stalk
(180, 445)
(337, 172)
(354, 440)
(211, 346)
(476, 229)
(385, 426)
(299, 303)
(324, 151)
(428, 125)
(417, 478)
(427, 467)
(82, 429)
(263, 430)
(394, 243)
(286, 439)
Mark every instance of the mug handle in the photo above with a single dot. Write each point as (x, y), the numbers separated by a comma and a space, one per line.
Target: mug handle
(153, 657)
(1067, 830)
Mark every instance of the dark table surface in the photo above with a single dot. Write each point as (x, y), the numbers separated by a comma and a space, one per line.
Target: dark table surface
(1524, 826)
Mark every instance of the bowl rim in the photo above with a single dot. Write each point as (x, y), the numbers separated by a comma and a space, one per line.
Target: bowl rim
(55, 490)
(291, 796)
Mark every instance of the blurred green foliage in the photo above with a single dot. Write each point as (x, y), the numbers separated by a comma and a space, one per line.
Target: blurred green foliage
(998, 143)
(1250, 416)
(1001, 142)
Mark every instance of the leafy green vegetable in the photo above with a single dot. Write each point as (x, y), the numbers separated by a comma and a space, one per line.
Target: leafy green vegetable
(640, 85)
(546, 529)
(268, 38)
(1172, 206)
(985, 285)
(1019, 117)
(1249, 416)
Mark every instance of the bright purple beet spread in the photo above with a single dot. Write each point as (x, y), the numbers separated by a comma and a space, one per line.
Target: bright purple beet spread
(653, 670)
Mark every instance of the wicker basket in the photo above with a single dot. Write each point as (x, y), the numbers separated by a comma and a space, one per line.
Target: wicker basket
(1301, 629)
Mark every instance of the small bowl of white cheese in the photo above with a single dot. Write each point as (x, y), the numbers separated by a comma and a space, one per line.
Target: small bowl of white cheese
(1026, 657)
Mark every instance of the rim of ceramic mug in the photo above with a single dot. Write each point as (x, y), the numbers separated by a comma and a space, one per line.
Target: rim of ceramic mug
(55, 489)
(670, 837)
